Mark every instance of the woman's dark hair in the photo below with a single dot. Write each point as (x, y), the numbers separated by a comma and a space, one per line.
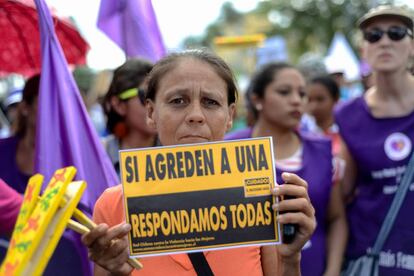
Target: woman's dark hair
(264, 76)
(129, 75)
(169, 62)
(30, 94)
(249, 102)
(329, 84)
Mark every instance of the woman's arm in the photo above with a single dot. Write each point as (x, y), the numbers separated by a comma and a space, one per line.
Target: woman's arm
(269, 260)
(337, 232)
(273, 264)
(348, 183)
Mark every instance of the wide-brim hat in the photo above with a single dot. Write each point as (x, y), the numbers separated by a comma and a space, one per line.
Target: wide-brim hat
(387, 11)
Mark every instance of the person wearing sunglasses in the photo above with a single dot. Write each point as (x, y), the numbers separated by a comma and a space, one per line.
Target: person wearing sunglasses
(377, 131)
(124, 107)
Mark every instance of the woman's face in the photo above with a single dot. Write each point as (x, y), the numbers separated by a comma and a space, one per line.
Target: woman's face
(387, 55)
(135, 116)
(320, 102)
(191, 105)
(284, 99)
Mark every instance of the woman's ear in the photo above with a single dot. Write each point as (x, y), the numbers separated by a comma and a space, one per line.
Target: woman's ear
(412, 49)
(232, 110)
(23, 108)
(151, 122)
(256, 102)
(119, 106)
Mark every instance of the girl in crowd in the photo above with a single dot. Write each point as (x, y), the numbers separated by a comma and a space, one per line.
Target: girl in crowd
(378, 134)
(17, 159)
(278, 94)
(191, 99)
(125, 110)
(323, 94)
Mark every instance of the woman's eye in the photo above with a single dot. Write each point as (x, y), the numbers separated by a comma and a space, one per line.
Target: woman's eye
(302, 94)
(177, 101)
(283, 92)
(211, 102)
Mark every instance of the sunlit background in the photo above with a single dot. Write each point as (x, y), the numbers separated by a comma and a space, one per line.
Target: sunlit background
(177, 20)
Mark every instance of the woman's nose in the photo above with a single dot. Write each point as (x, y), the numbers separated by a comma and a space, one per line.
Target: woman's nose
(195, 113)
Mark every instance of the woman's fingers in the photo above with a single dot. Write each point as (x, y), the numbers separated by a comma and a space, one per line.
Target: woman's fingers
(294, 179)
(109, 247)
(295, 205)
(291, 191)
(115, 232)
(117, 256)
(296, 218)
(94, 234)
(293, 187)
(118, 247)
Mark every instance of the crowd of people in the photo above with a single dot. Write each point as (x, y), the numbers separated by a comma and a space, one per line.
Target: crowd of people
(339, 174)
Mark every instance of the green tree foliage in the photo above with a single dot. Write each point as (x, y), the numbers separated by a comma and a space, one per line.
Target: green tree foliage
(228, 16)
(308, 25)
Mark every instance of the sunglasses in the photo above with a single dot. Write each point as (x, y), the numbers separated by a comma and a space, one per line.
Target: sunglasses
(133, 92)
(394, 33)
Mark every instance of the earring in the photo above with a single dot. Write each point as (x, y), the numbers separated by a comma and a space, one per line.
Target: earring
(120, 130)
(259, 107)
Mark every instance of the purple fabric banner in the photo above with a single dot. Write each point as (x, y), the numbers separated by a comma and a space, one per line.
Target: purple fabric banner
(65, 135)
(133, 26)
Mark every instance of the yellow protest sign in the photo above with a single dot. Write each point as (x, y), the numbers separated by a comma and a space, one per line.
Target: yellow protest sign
(29, 234)
(203, 196)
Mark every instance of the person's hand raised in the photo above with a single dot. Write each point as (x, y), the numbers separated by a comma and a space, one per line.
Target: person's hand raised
(297, 209)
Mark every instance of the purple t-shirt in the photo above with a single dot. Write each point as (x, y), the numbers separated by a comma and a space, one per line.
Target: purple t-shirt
(317, 171)
(381, 148)
(9, 171)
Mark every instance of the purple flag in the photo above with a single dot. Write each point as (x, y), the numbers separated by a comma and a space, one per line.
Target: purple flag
(65, 135)
(132, 25)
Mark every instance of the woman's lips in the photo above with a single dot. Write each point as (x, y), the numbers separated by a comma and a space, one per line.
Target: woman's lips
(192, 137)
(296, 114)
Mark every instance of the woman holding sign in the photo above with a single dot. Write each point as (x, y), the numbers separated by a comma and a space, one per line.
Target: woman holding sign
(278, 94)
(191, 99)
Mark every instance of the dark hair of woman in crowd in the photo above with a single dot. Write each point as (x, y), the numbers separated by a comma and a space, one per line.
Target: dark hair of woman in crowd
(329, 84)
(130, 75)
(168, 64)
(265, 76)
(30, 94)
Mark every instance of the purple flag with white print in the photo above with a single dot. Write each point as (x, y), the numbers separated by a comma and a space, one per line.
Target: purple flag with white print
(133, 26)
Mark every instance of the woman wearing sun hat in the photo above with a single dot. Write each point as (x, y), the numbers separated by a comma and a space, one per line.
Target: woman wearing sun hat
(377, 130)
